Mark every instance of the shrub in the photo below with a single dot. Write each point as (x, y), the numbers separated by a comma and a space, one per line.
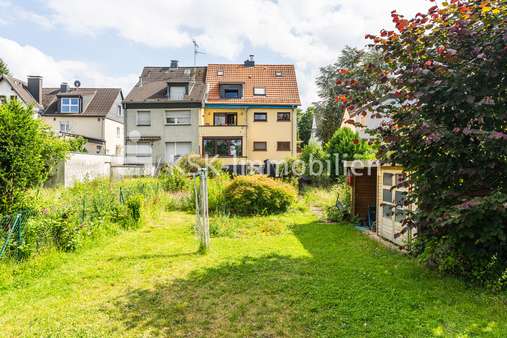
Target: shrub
(29, 151)
(216, 199)
(173, 180)
(192, 163)
(134, 206)
(345, 145)
(258, 195)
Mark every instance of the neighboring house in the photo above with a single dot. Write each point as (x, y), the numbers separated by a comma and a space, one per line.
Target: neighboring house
(95, 114)
(368, 120)
(28, 93)
(163, 112)
(250, 113)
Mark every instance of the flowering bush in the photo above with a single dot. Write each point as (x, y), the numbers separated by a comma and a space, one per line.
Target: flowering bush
(444, 96)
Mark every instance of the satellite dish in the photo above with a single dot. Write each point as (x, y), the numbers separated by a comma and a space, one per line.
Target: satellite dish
(77, 83)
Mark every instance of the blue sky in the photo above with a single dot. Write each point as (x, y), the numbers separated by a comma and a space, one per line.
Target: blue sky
(106, 43)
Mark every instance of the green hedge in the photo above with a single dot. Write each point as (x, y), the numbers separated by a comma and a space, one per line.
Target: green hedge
(258, 195)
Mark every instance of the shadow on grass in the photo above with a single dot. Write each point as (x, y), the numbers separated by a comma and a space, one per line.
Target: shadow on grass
(349, 287)
(142, 257)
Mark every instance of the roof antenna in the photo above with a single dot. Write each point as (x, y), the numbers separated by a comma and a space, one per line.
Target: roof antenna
(196, 51)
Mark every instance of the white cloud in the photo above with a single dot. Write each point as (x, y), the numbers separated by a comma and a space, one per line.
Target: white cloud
(11, 13)
(309, 33)
(27, 60)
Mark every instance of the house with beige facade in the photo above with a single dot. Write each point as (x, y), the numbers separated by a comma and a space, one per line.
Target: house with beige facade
(29, 93)
(96, 114)
(163, 111)
(250, 113)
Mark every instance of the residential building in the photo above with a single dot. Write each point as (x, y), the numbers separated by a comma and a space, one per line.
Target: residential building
(163, 112)
(26, 92)
(95, 114)
(249, 115)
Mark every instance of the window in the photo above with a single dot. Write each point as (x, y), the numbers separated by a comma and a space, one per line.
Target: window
(220, 72)
(144, 118)
(118, 132)
(259, 91)
(260, 117)
(231, 91)
(226, 147)
(283, 116)
(225, 119)
(14, 98)
(3, 99)
(99, 148)
(175, 150)
(177, 92)
(278, 74)
(64, 127)
(394, 198)
(283, 146)
(140, 150)
(175, 118)
(70, 105)
(260, 146)
(120, 111)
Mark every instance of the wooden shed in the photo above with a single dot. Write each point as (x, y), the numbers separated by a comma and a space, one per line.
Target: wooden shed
(389, 195)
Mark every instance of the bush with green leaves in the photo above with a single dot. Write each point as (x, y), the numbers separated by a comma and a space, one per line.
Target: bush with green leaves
(258, 195)
(191, 163)
(173, 179)
(346, 145)
(28, 153)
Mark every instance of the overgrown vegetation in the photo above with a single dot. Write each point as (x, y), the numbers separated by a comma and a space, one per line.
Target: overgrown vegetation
(66, 219)
(447, 86)
(28, 152)
(4, 70)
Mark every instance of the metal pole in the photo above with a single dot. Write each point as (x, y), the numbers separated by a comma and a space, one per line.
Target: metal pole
(204, 210)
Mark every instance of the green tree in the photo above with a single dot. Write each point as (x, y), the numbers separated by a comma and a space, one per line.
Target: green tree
(3, 68)
(353, 68)
(28, 153)
(447, 126)
(305, 124)
(345, 145)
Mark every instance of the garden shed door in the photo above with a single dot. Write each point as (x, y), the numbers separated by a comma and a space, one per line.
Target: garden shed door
(390, 208)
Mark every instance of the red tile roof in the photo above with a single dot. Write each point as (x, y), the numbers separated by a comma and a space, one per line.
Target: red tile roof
(280, 90)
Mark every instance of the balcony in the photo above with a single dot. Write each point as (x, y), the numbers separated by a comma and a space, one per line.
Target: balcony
(217, 131)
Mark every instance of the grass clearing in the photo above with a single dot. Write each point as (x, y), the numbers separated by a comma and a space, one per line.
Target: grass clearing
(309, 279)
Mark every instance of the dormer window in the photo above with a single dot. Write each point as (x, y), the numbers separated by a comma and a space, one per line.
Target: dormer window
(259, 91)
(278, 74)
(70, 105)
(231, 91)
(177, 92)
(220, 72)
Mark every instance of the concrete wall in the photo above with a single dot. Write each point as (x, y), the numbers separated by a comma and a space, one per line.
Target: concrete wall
(158, 128)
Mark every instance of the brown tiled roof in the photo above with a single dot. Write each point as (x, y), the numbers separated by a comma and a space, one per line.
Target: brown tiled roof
(152, 85)
(282, 90)
(99, 100)
(21, 89)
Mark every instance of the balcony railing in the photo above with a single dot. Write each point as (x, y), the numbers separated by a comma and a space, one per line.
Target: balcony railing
(216, 131)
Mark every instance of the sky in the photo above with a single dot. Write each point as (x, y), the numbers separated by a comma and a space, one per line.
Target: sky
(106, 43)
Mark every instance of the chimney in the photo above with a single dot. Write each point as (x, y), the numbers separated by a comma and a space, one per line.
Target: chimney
(64, 87)
(250, 62)
(174, 63)
(35, 87)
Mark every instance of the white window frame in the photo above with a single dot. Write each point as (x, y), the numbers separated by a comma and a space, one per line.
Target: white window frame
(177, 155)
(118, 132)
(139, 112)
(70, 105)
(66, 128)
(179, 117)
(120, 110)
(259, 91)
(178, 97)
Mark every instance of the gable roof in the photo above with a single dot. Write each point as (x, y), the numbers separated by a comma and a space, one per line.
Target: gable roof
(20, 88)
(153, 82)
(96, 101)
(280, 90)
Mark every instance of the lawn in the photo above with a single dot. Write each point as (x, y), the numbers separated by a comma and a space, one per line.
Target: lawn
(295, 276)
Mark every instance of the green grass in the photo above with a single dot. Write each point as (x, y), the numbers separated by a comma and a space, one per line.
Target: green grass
(309, 279)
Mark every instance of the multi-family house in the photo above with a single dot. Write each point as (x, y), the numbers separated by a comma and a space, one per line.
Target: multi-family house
(250, 113)
(162, 114)
(29, 93)
(96, 114)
